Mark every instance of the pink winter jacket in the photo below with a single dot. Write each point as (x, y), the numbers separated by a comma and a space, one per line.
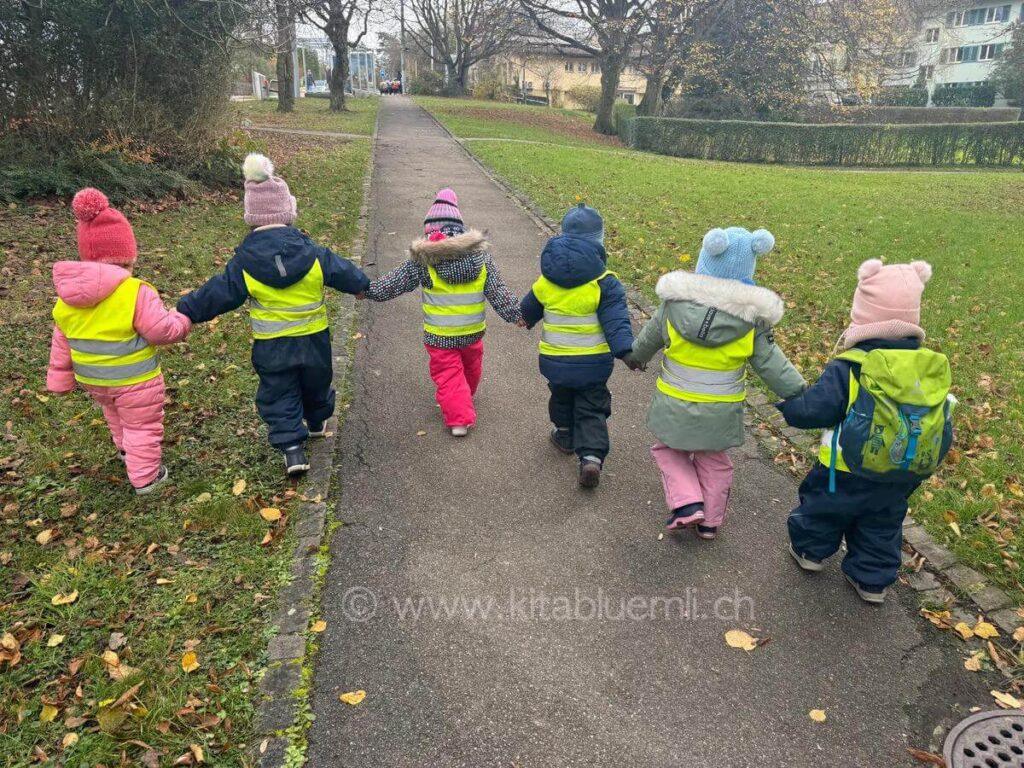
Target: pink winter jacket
(87, 283)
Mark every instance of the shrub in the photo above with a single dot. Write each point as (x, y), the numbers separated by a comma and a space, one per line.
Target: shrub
(427, 83)
(490, 89)
(960, 95)
(912, 115)
(902, 97)
(996, 144)
(585, 97)
(624, 117)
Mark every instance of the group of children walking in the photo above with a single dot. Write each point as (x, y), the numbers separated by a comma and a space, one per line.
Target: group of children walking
(883, 402)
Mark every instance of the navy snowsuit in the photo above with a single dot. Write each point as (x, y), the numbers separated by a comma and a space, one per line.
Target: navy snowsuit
(867, 513)
(295, 371)
(580, 401)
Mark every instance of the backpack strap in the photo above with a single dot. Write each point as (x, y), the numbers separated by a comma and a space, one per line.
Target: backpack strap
(853, 355)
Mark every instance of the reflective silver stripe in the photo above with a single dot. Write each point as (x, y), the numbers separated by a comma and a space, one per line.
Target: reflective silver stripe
(556, 318)
(562, 339)
(112, 348)
(453, 321)
(110, 372)
(452, 299)
(273, 326)
(702, 381)
(301, 308)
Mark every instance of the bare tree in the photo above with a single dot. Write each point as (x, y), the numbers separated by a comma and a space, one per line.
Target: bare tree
(345, 22)
(670, 24)
(284, 43)
(607, 30)
(460, 33)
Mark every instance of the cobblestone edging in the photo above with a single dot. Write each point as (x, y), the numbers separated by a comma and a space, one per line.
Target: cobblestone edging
(942, 580)
(282, 713)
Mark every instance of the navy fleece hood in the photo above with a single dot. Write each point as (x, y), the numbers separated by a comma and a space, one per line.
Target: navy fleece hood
(572, 261)
(278, 257)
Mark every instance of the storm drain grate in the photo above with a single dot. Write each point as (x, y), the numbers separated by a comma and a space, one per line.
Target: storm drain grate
(987, 740)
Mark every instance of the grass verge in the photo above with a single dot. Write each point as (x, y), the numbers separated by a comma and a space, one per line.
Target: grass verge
(310, 115)
(826, 222)
(105, 677)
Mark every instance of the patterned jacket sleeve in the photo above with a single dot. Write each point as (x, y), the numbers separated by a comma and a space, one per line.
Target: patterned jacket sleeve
(501, 297)
(401, 279)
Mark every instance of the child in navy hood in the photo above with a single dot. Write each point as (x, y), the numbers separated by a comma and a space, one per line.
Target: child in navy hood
(282, 273)
(586, 326)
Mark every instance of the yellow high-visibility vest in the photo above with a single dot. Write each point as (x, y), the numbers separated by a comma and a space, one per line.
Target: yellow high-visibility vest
(571, 325)
(454, 309)
(828, 437)
(105, 349)
(705, 374)
(297, 310)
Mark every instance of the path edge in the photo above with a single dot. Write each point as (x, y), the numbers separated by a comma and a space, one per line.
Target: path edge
(950, 580)
(282, 714)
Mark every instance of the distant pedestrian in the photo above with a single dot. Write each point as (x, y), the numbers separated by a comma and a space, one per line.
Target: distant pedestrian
(885, 406)
(107, 327)
(711, 326)
(453, 268)
(585, 327)
(283, 275)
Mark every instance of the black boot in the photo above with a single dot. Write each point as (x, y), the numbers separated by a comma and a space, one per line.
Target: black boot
(295, 461)
(590, 472)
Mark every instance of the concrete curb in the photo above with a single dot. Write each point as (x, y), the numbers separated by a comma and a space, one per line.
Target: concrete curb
(945, 579)
(281, 699)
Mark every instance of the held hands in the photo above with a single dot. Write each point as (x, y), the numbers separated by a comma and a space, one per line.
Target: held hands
(632, 363)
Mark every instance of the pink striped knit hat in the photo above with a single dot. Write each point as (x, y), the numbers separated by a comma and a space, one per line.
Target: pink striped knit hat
(444, 215)
(887, 303)
(267, 197)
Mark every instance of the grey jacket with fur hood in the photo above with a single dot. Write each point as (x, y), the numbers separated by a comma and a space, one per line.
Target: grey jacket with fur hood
(686, 302)
(456, 259)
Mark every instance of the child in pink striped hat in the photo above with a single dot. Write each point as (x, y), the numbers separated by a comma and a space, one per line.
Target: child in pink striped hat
(453, 269)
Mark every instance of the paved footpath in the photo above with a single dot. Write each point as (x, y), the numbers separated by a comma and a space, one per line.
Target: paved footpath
(498, 516)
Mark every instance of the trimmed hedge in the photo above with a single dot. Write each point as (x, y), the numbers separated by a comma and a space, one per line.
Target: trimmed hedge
(987, 144)
(913, 115)
(902, 97)
(957, 95)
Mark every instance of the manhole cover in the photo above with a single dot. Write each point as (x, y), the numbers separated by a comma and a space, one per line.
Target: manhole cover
(987, 740)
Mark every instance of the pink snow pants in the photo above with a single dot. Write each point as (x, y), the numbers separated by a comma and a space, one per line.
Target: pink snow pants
(135, 416)
(456, 374)
(691, 477)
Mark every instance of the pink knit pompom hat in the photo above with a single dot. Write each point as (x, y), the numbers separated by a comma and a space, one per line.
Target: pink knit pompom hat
(444, 215)
(887, 302)
(104, 234)
(267, 197)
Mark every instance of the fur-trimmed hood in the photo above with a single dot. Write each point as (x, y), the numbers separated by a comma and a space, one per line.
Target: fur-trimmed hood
(749, 303)
(429, 253)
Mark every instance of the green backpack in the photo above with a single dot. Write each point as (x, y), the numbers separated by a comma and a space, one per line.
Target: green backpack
(899, 426)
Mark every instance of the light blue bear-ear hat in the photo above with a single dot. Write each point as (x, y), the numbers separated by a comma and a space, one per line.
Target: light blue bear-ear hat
(732, 253)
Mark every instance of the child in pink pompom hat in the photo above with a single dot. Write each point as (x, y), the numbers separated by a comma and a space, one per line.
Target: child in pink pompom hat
(867, 513)
(107, 325)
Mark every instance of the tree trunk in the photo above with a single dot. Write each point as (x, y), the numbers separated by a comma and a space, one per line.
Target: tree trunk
(285, 44)
(611, 69)
(338, 34)
(650, 104)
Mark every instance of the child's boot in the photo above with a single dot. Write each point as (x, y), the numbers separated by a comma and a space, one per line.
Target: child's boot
(590, 472)
(866, 594)
(811, 566)
(317, 428)
(460, 431)
(681, 517)
(161, 477)
(295, 461)
(706, 532)
(561, 439)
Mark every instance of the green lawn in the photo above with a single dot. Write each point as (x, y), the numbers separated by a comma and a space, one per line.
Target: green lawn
(475, 118)
(310, 114)
(153, 578)
(968, 225)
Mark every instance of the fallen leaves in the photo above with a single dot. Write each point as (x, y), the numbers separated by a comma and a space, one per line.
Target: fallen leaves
(64, 599)
(962, 629)
(45, 536)
(973, 664)
(421, 433)
(204, 497)
(737, 638)
(1006, 700)
(817, 715)
(69, 740)
(926, 757)
(270, 514)
(985, 631)
(48, 713)
(318, 626)
(352, 698)
(189, 661)
(115, 668)
(239, 487)
(54, 640)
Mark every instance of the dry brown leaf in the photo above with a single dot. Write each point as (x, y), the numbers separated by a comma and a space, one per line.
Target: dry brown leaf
(926, 757)
(737, 638)
(239, 487)
(9, 642)
(1006, 700)
(69, 740)
(191, 598)
(1018, 634)
(421, 433)
(189, 661)
(197, 752)
(44, 537)
(352, 697)
(973, 664)
(817, 715)
(270, 514)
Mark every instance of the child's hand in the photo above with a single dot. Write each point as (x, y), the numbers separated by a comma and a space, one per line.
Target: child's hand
(521, 323)
(632, 363)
